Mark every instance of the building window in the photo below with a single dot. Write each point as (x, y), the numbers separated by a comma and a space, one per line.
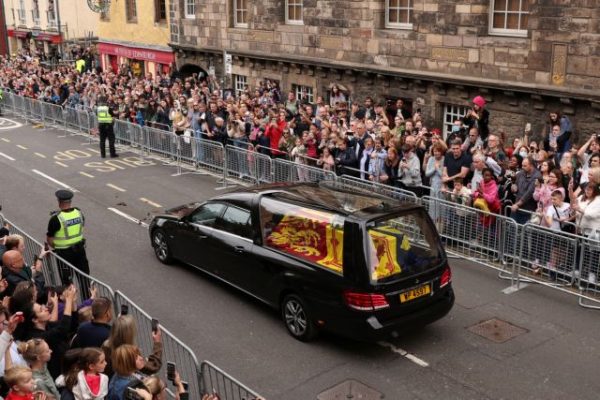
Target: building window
(399, 14)
(35, 13)
(51, 15)
(130, 11)
(160, 10)
(240, 83)
(509, 17)
(240, 13)
(452, 112)
(21, 12)
(304, 94)
(293, 12)
(190, 8)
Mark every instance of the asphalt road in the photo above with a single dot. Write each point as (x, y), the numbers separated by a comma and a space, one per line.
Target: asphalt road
(557, 356)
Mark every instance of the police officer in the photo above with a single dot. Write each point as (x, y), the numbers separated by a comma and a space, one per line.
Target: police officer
(105, 126)
(65, 235)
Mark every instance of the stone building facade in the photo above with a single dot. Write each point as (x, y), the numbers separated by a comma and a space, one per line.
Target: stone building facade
(526, 57)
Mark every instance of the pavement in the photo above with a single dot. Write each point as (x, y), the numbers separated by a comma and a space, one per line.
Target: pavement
(555, 354)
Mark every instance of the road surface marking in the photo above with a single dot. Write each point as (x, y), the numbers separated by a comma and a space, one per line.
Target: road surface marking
(21, 147)
(151, 203)
(61, 164)
(5, 140)
(7, 157)
(514, 288)
(405, 354)
(6, 123)
(86, 174)
(110, 185)
(128, 217)
(94, 150)
(40, 155)
(54, 180)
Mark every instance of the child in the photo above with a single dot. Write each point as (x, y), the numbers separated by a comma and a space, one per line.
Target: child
(92, 384)
(20, 381)
(37, 354)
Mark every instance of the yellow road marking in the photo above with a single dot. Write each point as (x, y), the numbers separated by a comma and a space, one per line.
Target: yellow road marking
(94, 150)
(61, 164)
(40, 155)
(86, 174)
(21, 147)
(110, 185)
(38, 125)
(151, 203)
(5, 140)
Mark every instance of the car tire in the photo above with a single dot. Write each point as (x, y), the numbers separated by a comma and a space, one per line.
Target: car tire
(297, 319)
(161, 246)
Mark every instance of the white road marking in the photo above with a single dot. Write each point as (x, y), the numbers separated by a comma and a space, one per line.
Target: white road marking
(54, 180)
(61, 164)
(153, 204)
(110, 185)
(40, 155)
(12, 125)
(95, 151)
(405, 354)
(86, 174)
(514, 288)
(129, 217)
(21, 147)
(5, 140)
(7, 157)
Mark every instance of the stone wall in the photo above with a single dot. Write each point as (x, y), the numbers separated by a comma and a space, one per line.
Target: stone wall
(562, 48)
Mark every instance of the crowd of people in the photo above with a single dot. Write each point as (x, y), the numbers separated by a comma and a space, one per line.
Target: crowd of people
(544, 177)
(52, 347)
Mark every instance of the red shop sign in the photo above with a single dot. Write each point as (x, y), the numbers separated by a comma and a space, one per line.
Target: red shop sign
(161, 57)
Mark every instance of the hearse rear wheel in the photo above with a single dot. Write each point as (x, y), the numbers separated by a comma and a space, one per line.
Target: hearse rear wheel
(297, 318)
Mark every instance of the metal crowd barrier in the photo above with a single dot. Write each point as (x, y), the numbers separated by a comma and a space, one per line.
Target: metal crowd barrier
(200, 377)
(245, 164)
(362, 185)
(589, 273)
(215, 380)
(174, 350)
(477, 235)
(289, 171)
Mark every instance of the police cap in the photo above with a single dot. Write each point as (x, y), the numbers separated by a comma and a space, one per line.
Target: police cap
(64, 195)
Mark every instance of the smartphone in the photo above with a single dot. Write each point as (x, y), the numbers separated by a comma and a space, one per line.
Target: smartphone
(154, 325)
(528, 127)
(20, 317)
(46, 246)
(170, 371)
(185, 385)
(124, 309)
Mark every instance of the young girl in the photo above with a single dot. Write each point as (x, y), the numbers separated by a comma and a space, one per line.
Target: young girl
(92, 384)
(21, 384)
(37, 353)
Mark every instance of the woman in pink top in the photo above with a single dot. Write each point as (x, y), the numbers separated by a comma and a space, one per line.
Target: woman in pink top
(487, 190)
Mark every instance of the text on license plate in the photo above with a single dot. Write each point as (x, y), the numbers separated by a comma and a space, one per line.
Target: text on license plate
(412, 294)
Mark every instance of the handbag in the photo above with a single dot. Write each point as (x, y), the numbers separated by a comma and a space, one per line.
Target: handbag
(565, 227)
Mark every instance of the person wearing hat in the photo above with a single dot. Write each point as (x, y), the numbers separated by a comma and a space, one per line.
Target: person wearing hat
(478, 117)
(105, 127)
(65, 235)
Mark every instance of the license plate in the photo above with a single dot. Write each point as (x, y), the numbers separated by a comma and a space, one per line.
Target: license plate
(415, 293)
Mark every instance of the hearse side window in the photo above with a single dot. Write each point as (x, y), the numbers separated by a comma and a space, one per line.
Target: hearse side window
(401, 246)
(207, 214)
(312, 235)
(236, 221)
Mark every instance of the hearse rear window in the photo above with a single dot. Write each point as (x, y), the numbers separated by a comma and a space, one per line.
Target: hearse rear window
(312, 235)
(401, 246)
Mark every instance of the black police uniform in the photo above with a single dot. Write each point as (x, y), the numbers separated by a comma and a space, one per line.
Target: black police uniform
(74, 254)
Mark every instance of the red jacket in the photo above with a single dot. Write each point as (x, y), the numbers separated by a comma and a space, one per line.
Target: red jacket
(274, 134)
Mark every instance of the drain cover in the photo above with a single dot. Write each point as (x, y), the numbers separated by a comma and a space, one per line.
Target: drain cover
(496, 330)
(350, 390)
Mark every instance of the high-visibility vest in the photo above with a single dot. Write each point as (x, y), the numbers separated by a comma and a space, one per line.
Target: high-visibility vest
(71, 229)
(80, 65)
(104, 116)
(1, 93)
